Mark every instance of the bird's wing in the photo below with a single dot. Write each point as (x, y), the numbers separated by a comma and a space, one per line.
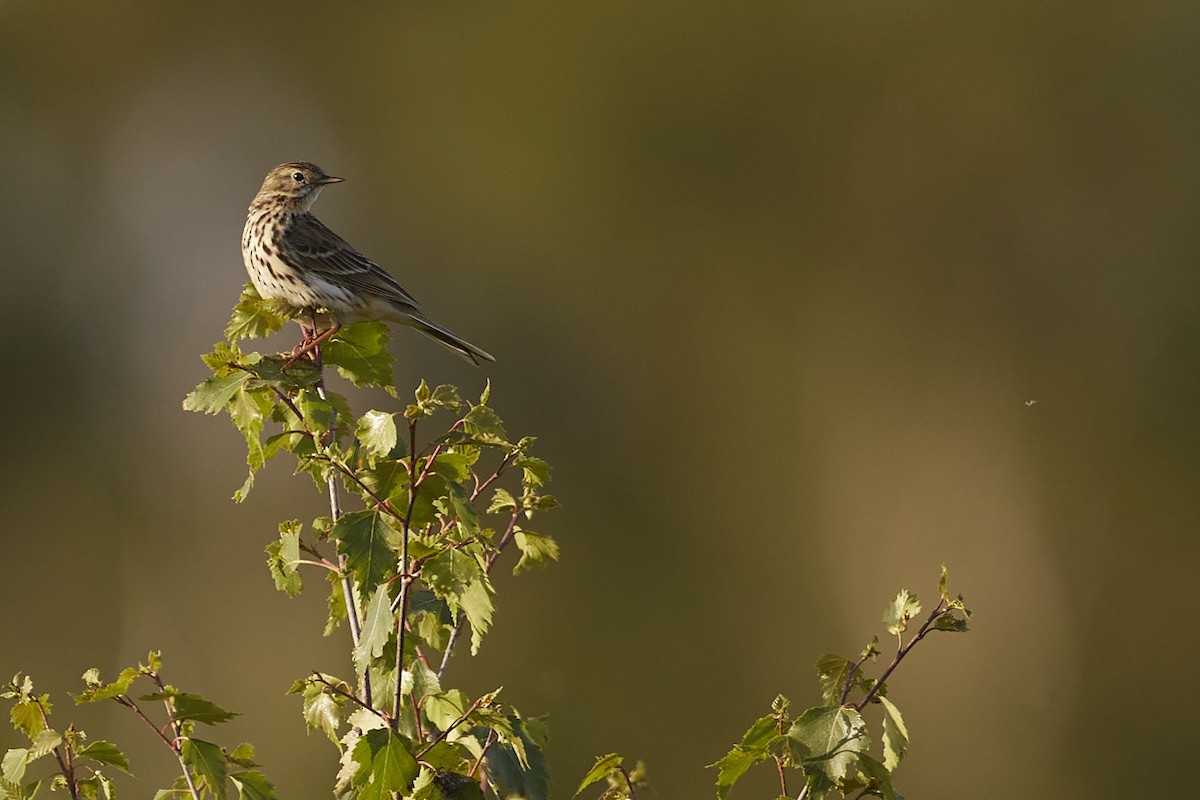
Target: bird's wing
(331, 257)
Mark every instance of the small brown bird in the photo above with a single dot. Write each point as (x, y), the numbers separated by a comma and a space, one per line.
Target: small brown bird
(294, 259)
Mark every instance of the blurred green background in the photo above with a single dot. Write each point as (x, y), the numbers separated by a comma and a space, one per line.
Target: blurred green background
(775, 283)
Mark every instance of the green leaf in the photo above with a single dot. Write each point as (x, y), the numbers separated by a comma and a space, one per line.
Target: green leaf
(753, 748)
(322, 709)
(26, 716)
(502, 500)
(443, 708)
(376, 430)
(96, 691)
(207, 761)
(46, 740)
(876, 777)
(477, 602)
(604, 766)
(537, 471)
(254, 317)
(895, 734)
(360, 353)
(832, 671)
(283, 558)
(367, 539)
(900, 611)
(375, 630)
(12, 767)
(195, 707)
(252, 785)
(484, 426)
(536, 550)
(834, 736)
(386, 766)
(213, 394)
(105, 753)
(950, 623)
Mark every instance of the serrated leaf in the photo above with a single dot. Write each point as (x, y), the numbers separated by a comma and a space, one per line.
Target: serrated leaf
(753, 748)
(834, 736)
(105, 753)
(254, 317)
(283, 559)
(895, 734)
(96, 691)
(376, 431)
(900, 611)
(443, 708)
(832, 671)
(207, 761)
(27, 717)
(603, 767)
(484, 426)
(194, 707)
(366, 539)
(950, 624)
(502, 500)
(387, 768)
(377, 626)
(876, 777)
(46, 740)
(537, 471)
(477, 602)
(536, 549)
(360, 353)
(213, 394)
(252, 785)
(12, 767)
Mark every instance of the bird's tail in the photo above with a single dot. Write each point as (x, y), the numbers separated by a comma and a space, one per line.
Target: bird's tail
(449, 340)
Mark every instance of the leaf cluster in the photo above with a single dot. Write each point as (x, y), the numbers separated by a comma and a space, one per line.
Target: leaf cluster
(207, 769)
(830, 745)
(409, 570)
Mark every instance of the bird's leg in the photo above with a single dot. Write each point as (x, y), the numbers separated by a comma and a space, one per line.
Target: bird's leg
(309, 346)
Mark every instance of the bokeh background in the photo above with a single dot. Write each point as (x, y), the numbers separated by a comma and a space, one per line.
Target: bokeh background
(802, 300)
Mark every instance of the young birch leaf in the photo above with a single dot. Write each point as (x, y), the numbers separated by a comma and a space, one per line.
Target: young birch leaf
(376, 431)
(832, 671)
(195, 707)
(900, 611)
(46, 740)
(366, 539)
(443, 708)
(753, 748)
(207, 761)
(360, 353)
(252, 785)
(12, 768)
(376, 628)
(253, 317)
(213, 394)
(477, 603)
(895, 735)
(536, 549)
(26, 716)
(283, 558)
(604, 766)
(105, 753)
(386, 769)
(834, 735)
(876, 777)
(97, 691)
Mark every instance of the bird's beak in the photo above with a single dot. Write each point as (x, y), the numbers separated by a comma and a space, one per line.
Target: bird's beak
(329, 179)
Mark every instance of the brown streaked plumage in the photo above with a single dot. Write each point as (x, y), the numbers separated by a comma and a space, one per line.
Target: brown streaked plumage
(293, 258)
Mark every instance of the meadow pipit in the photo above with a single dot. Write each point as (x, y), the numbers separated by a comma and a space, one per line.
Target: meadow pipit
(294, 259)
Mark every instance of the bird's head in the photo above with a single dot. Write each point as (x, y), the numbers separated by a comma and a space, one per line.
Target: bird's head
(295, 183)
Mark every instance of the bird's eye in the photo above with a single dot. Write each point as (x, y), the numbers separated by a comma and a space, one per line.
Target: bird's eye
(298, 177)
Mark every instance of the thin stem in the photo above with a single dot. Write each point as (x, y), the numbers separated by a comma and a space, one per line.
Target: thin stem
(335, 512)
(901, 652)
(65, 764)
(406, 575)
(509, 532)
(628, 782)
(850, 680)
(461, 719)
(177, 730)
(353, 698)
